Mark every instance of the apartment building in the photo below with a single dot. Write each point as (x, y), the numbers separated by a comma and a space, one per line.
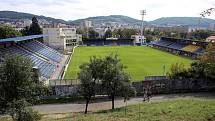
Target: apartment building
(62, 39)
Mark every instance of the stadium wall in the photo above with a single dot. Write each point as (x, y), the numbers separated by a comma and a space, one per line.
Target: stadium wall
(157, 85)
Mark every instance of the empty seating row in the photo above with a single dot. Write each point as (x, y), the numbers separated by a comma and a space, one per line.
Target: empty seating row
(164, 43)
(43, 45)
(43, 50)
(46, 69)
(200, 50)
(177, 46)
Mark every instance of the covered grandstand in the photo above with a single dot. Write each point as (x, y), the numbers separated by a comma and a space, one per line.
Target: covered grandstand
(107, 42)
(44, 58)
(184, 47)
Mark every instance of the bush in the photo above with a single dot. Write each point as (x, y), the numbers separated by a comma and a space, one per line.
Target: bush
(20, 112)
(28, 114)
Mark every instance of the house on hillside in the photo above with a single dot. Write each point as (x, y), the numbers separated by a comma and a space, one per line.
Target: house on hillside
(210, 39)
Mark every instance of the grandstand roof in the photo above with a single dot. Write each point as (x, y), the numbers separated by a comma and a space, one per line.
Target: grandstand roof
(22, 38)
(190, 40)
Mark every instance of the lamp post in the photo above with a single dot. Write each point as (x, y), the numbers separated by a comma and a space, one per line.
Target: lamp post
(143, 13)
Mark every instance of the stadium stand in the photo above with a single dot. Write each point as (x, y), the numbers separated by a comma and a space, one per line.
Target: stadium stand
(43, 57)
(200, 50)
(105, 42)
(164, 43)
(45, 67)
(46, 51)
(190, 48)
(180, 46)
(177, 45)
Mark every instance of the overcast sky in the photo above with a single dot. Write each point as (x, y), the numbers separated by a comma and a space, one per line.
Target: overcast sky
(76, 9)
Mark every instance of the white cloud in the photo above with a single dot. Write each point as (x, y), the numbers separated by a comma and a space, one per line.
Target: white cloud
(75, 9)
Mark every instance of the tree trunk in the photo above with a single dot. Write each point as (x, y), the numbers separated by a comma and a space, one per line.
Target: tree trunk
(112, 97)
(87, 102)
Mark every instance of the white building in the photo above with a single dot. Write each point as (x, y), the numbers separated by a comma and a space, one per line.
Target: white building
(210, 39)
(26, 22)
(138, 39)
(87, 24)
(62, 39)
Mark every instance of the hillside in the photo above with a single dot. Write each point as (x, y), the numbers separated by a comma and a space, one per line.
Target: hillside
(120, 19)
(11, 15)
(191, 21)
(108, 19)
(165, 21)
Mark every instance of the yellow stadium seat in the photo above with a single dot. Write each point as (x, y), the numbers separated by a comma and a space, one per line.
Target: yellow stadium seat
(191, 48)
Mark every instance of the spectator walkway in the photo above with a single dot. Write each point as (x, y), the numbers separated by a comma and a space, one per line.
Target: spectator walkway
(105, 105)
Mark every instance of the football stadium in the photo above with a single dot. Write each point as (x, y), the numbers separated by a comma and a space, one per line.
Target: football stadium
(153, 59)
(58, 66)
(147, 63)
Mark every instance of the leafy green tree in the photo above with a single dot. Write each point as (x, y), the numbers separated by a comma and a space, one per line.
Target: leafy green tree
(126, 33)
(117, 33)
(89, 75)
(149, 38)
(201, 34)
(109, 73)
(25, 31)
(18, 82)
(34, 27)
(209, 54)
(114, 76)
(8, 32)
(108, 34)
(92, 33)
(177, 71)
(87, 87)
(82, 31)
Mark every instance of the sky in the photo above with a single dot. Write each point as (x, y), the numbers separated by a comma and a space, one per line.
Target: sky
(78, 9)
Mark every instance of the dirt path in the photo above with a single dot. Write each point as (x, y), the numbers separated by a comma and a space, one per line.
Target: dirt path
(74, 107)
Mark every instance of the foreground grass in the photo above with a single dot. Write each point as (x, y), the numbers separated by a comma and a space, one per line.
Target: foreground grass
(140, 61)
(179, 110)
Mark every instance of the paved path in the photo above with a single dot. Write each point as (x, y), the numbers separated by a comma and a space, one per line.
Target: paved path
(75, 107)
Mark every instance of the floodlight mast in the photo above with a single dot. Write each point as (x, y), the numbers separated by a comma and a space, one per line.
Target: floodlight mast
(143, 13)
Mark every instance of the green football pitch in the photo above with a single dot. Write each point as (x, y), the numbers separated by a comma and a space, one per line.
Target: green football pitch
(140, 61)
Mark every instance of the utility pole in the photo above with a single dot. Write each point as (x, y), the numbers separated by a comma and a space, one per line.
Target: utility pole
(143, 13)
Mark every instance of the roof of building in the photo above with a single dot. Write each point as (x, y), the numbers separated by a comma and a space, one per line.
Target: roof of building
(211, 37)
(22, 38)
(182, 39)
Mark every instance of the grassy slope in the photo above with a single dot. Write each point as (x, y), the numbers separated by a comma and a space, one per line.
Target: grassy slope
(179, 110)
(141, 61)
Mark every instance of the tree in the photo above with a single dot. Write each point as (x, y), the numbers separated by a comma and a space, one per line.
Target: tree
(126, 33)
(8, 32)
(177, 71)
(117, 33)
(18, 82)
(209, 54)
(93, 33)
(87, 84)
(34, 27)
(90, 74)
(109, 73)
(108, 34)
(114, 76)
(25, 31)
(201, 34)
(149, 38)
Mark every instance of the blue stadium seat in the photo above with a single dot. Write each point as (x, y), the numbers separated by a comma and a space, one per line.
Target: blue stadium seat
(46, 69)
(43, 50)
